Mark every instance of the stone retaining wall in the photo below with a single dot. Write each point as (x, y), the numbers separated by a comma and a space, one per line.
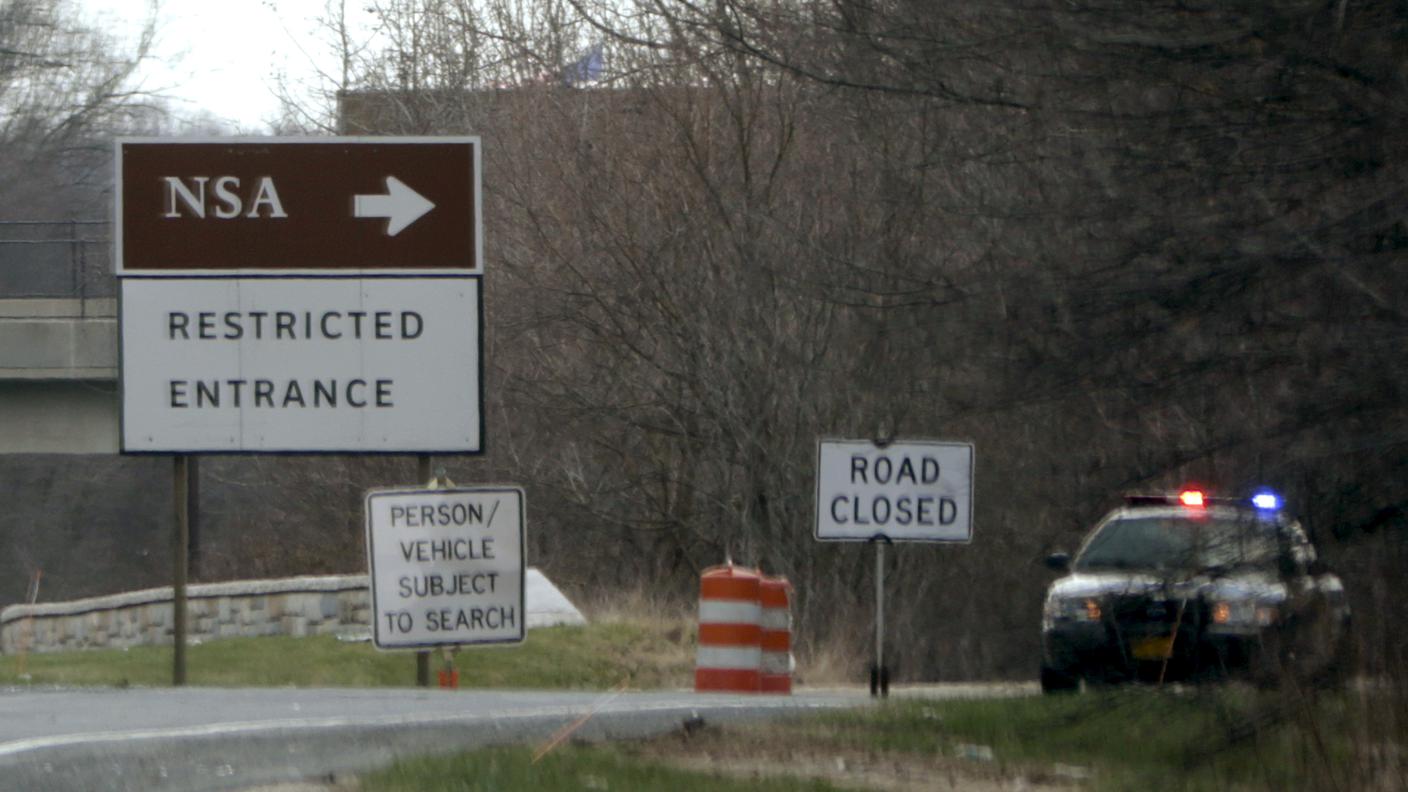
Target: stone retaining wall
(333, 604)
(292, 606)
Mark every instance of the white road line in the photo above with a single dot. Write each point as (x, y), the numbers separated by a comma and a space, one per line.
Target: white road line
(16, 747)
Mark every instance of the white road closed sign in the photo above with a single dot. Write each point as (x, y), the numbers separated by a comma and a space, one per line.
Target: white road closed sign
(911, 491)
(447, 566)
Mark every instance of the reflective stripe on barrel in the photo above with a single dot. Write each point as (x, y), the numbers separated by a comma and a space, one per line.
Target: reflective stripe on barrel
(730, 631)
(776, 637)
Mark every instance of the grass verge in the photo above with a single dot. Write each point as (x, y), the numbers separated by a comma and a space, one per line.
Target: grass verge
(595, 656)
(570, 769)
(1127, 739)
(1132, 738)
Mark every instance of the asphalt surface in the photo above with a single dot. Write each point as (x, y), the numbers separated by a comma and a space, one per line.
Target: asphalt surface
(198, 739)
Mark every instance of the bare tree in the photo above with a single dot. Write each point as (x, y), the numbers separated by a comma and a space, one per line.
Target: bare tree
(1116, 244)
(63, 86)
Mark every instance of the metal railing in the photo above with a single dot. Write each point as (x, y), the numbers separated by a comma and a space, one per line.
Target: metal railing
(56, 259)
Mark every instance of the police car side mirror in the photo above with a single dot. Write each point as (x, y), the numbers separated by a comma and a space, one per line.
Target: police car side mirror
(1059, 562)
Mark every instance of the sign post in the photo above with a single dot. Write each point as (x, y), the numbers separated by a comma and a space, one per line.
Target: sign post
(422, 656)
(879, 674)
(181, 549)
(447, 566)
(881, 493)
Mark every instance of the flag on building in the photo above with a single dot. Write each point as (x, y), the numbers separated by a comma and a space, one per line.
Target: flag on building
(585, 69)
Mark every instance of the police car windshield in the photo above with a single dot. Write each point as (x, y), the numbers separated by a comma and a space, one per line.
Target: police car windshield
(1186, 543)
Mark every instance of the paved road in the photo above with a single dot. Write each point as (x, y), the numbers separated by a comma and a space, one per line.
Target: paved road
(216, 739)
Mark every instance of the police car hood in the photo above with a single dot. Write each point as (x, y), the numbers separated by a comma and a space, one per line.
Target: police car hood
(1230, 585)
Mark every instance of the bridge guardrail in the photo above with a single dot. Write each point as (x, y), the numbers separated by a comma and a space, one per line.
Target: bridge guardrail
(56, 259)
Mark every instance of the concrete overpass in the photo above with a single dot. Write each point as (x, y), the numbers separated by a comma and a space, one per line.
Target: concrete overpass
(58, 376)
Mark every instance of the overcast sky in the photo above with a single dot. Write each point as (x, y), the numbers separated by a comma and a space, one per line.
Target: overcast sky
(226, 57)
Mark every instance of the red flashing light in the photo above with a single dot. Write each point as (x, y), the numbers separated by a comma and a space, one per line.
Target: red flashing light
(1191, 498)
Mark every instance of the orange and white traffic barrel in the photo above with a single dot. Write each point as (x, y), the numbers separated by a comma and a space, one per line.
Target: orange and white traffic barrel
(730, 632)
(776, 634)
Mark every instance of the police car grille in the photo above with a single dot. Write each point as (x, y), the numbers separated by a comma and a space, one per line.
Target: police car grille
(1133, 612)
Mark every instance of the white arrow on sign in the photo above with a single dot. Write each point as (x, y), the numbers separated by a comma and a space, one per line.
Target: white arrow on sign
(400, 205)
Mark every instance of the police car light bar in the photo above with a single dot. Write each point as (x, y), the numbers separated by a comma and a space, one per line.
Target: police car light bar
(1266, 500)
(1191, 498)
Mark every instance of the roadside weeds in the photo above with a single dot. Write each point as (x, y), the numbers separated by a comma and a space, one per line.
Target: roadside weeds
(755, 752)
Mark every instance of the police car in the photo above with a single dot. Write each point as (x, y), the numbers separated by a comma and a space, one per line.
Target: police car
(1187, 587)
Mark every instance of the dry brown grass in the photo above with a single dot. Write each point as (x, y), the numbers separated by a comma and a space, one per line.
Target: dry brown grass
(830, 665)
(672, 628)
(773, 751)
(677, 622)
(639, 606)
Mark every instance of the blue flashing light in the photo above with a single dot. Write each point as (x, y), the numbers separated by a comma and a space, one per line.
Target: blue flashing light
(1266, 501)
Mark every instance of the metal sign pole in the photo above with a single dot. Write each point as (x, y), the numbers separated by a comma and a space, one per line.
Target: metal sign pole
(879, 674)
(181, 486)
(193, 542)
(422, 656)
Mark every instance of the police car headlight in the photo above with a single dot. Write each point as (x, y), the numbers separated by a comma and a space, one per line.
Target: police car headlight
(1078, 609)
(1244, 613)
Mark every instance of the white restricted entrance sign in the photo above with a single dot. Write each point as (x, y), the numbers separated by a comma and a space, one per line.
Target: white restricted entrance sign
(912, 491)
(301, 364)
(447, 566)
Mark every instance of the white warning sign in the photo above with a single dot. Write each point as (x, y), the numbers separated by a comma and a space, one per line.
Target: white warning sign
(447, 566)
(909, 491)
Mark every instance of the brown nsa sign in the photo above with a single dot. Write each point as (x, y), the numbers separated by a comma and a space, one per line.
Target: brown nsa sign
(284, 206)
